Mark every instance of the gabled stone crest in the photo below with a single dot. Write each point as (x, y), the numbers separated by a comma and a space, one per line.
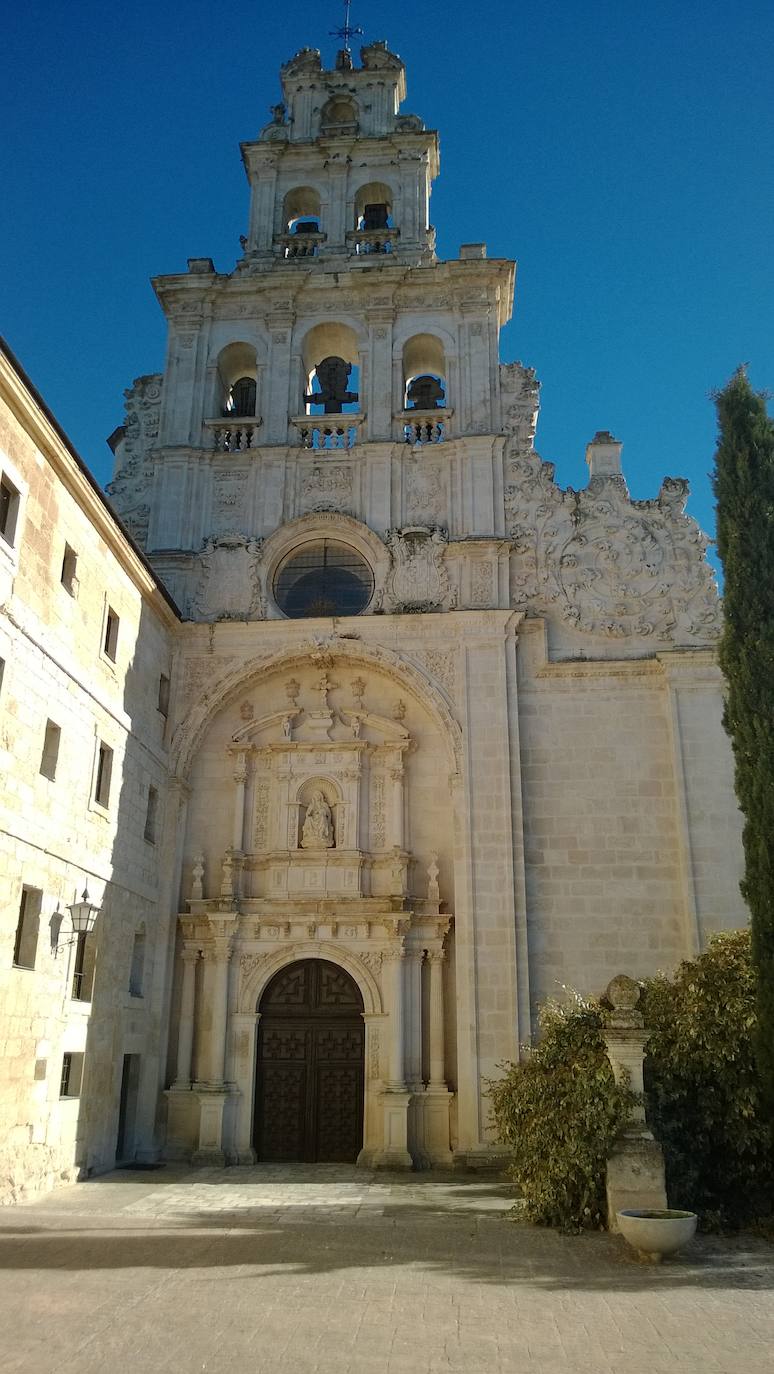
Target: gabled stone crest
(418, 579)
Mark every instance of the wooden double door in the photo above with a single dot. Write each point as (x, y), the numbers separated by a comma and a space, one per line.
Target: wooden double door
(310, 1066)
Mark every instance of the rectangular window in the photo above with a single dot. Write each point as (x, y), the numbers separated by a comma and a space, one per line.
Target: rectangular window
(137, 969)
(104, 771)
(69, 565)
(9, 509)
(50, 754)
(83, 970)
(164, 695)
(111, 634)
(72, 1073)
(25, 945)
(150, 815)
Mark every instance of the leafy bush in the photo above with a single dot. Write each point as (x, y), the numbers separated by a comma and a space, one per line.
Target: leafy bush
(703, 1089)
(560, 1111)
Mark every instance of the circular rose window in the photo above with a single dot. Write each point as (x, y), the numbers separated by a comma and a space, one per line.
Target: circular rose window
(323, 578)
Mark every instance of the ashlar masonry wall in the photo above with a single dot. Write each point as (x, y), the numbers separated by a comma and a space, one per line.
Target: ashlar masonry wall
(56, 838)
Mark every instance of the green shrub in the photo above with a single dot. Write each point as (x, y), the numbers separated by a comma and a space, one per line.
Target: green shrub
(560, 1110)
(703, 1088)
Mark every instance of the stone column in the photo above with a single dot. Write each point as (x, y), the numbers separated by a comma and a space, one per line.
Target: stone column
(635, 1169)
(438, 1096)
(395, 1100)
(413, 1057)
(396, 774)
(212, 1097)
(221, 960)
(185, 1034)
(240, 778)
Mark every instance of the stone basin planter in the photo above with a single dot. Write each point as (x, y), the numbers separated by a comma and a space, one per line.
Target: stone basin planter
(655, 1234)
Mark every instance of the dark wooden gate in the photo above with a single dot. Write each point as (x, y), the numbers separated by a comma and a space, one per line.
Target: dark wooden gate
(311, 1046)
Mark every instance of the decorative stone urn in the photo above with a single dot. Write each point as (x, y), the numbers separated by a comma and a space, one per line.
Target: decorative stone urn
(654, 1234)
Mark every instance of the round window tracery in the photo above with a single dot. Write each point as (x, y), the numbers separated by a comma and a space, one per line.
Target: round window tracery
(323, 578)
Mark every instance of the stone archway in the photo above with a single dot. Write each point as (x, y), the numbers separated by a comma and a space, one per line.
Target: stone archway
(310, 1066)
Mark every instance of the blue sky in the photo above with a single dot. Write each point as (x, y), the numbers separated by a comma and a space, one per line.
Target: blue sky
(621, 153)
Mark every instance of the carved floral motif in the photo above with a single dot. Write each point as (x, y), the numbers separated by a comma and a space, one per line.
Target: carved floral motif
(520, 399)
(612, 566)
(328, 487)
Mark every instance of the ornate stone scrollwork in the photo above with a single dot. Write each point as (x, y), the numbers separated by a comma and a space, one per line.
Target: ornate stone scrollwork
(418, 580)
(230, 585)
(610, 566)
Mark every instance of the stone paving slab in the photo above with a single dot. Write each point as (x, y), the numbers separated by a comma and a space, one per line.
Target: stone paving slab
(332, 1270)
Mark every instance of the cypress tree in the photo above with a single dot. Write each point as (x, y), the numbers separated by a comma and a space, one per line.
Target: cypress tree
(744, 487)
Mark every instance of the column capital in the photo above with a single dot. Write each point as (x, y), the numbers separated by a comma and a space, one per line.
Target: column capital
(436, 956)
(190, 954)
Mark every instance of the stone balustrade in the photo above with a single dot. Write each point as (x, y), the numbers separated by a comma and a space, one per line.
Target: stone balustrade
(424, 426)
(327, 431)
(292, 246)
(366, 241)
(234, 435)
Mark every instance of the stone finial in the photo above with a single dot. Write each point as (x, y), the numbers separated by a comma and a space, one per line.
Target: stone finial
(197, 876)
(292, 689)
(623, 994)
(247, 710)
(603, 455)
(358, 686)
(399, 710)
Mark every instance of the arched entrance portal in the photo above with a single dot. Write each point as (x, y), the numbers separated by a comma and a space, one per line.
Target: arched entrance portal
(310, 1066)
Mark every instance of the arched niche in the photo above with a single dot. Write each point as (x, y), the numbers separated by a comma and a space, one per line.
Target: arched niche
(236, 367)
(301, 211)
(320, 347)
(373, 206)
(424, 373)
(339, 115)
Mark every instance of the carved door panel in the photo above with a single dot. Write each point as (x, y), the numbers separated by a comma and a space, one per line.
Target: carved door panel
(311, 1049)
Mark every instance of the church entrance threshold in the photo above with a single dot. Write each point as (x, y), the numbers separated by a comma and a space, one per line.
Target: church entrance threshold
(310, 1066)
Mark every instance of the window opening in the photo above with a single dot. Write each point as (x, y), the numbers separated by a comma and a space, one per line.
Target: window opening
(329, 391)
(72, 1075)
(150, 815)
(104, 771)
(111, 634)
(50, 754)
(83, 970)
(25, 946)
(9, 509)
(137, 969)
(323, 579)
(69, 565)
(242, 397)
(163, 703)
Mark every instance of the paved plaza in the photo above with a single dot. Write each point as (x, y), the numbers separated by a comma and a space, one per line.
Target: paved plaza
(332, 1270)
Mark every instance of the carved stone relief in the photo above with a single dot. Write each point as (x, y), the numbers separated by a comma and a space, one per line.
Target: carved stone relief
(425, 492)
(418, 580)
(229, 490)
(482, 583)
(610, 565)
(200, 675)
(230, 586)
(130, 488)
(328, 487)
(442, 665)
(520, 398)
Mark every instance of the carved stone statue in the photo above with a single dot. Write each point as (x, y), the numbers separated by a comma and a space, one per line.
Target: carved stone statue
(197, 875)
(317, 831)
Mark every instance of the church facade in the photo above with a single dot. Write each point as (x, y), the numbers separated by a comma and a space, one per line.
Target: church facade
(443, 736)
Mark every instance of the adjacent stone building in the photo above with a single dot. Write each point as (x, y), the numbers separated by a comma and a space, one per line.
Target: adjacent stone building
(442, 735)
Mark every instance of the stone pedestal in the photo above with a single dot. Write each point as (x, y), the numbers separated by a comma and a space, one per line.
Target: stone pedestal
(635, 1176)
(182, 1122)
(635, 1169)
(395, 1153)
(210, 1148)
(437, 1102)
